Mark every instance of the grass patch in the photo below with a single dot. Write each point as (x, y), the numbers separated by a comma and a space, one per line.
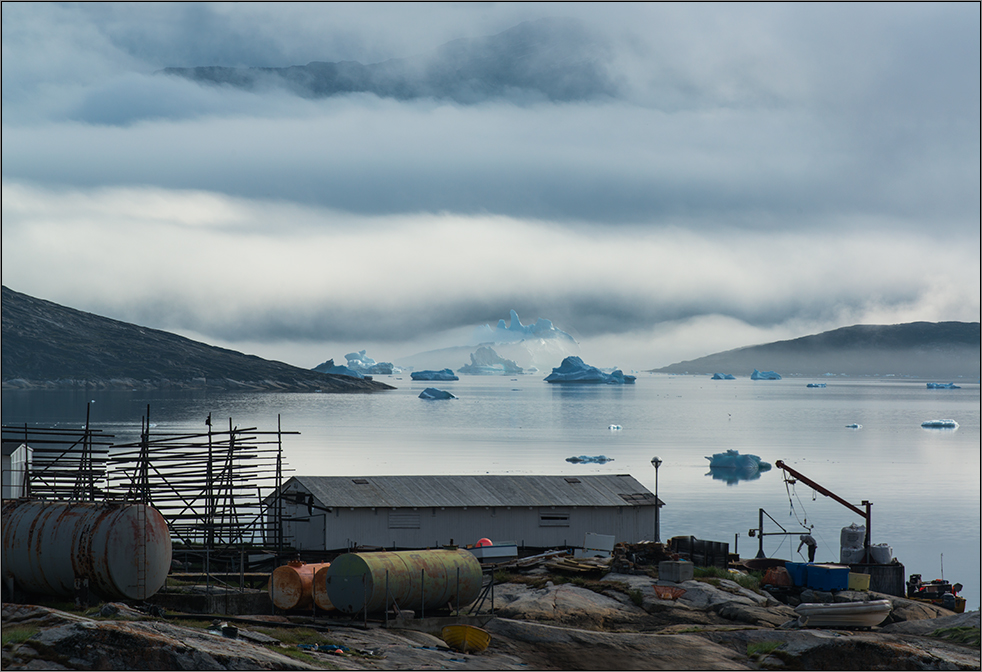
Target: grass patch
(305, 657)
(712, 575)
(762, 648)
(636, 596)
(965, 634)
(294, 636)
(16, 634)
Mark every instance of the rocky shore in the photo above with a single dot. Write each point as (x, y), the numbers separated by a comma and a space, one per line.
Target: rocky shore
(618, 622)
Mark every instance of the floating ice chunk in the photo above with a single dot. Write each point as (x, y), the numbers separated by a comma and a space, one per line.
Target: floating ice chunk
(330, 367)
(764, 375)
(943, 386)
(816, 385)
(854, 425)
(445, 374)
(614, 427)
(732, 459)
(486, 362)
(723, 376)
(946, 423)
(590, 459)
(431, 393)
(574, 370)
(362, 363)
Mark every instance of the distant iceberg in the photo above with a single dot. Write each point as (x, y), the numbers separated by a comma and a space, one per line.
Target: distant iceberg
(943, 386)
(486, 362)
(764, 375)
(854, 425)
(431, 393)
(445, 374)
(573, 370)
(516, 331)
(590, 459)
(946, 423)
(816, 385)
(723, 376)
(732, 459)
(362, 363)
(330, 367)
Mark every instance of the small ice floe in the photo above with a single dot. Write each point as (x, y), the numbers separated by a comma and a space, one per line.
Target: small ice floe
(854, 425)
(946, 423)
(732, 459)
(943, 386)
(431, 393)
(723, 376)
(614, 428)
(590, 459)
(815, 385)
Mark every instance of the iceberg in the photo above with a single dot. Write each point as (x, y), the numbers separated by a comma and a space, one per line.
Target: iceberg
(590, 459)
(445, 374)
(854, 425)
(362, 363)
(516, 331)
(574, 370)
(431, 393)
(816, 385)
(942, 386)
(723, 376)
(486, 362)
(764, 375)
(330, 367)
(946, 423)
(732, 459)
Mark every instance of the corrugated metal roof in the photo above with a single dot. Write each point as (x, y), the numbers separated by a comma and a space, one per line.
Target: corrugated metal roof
(487, 490)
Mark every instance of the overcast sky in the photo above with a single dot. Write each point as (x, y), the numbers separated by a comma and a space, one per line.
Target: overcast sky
(751, 173)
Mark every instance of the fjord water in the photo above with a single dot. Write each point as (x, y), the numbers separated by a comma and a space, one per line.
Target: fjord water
(924, 484)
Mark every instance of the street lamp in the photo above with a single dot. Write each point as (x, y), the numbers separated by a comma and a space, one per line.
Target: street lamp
(655, 462)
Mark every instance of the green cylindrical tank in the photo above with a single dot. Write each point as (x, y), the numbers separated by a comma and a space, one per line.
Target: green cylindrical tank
(416, 580)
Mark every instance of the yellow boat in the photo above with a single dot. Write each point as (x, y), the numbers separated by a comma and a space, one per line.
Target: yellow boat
(466, 638)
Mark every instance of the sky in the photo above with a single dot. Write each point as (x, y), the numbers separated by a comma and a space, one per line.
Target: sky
(748, 173)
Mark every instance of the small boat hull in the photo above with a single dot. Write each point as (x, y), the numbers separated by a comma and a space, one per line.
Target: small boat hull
(466, 638)
(843, 614)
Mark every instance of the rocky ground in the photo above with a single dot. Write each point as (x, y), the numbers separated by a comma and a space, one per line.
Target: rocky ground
(620, 622)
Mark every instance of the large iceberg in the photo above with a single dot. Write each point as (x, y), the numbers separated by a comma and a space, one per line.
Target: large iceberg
(486, 362)
(764, 375)
(573, 370)
(732, 459)
(431, 393)
(445, 374)
(516, 331)
(330, 367)
(362, 363)
(723, 376)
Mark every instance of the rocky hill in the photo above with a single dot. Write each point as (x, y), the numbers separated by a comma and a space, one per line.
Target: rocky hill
(52, 346)
(940, 350)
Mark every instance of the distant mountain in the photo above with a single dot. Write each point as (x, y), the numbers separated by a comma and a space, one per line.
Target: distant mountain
(940, 350)
(552, 59)
(51, 346)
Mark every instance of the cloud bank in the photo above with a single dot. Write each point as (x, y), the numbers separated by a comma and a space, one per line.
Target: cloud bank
(746, 173)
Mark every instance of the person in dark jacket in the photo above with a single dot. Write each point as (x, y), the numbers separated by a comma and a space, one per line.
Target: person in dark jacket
(809, 540)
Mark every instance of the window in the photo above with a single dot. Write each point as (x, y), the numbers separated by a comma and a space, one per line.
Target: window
(550, 518)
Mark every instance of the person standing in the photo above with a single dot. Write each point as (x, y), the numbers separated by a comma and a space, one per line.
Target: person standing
(809, 540)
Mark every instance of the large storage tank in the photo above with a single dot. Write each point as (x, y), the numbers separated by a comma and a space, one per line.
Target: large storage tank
(416, 580)
(292, 585)
(123, 549)
(321, 599)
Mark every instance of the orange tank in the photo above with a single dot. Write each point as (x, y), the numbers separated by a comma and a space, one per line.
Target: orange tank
(291, 586)
(321, 598)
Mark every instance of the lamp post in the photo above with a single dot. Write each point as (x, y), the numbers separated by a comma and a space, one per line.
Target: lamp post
(655, 462)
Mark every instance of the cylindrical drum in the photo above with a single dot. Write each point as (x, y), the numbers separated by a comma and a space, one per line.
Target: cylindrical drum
(122, 549)
(321, 599)
(291, 586)
(410, 579)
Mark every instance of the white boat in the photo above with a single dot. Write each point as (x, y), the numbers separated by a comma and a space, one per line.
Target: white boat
(843, 614)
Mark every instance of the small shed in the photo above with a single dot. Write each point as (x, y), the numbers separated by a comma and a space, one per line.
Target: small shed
(341, 512)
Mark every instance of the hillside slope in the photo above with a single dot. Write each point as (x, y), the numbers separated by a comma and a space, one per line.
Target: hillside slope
(52, 346)
(939, 350)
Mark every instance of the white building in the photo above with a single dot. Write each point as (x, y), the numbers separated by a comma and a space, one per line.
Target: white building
(339, 512)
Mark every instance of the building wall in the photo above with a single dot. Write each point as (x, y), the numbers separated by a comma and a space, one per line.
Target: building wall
(437, 526)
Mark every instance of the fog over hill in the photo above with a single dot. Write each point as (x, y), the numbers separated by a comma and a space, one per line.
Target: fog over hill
(942, 350)
(52, 346)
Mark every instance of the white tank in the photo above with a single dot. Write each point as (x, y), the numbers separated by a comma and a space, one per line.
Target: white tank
(852, 536)
(881, 554)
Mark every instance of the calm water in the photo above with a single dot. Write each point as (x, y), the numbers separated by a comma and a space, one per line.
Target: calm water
(924, 484)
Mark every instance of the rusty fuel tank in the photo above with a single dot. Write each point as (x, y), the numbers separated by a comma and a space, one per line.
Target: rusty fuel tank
(417, 580)
(321, 598)
(292, 585)
(122, 549)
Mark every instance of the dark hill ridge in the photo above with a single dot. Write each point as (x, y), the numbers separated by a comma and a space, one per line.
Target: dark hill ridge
(48, 345)
(552, 59)
(940, 350)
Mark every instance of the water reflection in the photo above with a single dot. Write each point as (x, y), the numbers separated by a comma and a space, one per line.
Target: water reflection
(732, 476)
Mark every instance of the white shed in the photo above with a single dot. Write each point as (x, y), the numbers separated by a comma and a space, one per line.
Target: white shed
(340, 512)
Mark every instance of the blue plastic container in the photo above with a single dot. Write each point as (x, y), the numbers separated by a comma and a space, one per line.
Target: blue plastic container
(796, 570)
(827, 577)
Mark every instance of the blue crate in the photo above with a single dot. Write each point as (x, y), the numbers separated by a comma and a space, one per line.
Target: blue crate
(797, 572)
(827, 577)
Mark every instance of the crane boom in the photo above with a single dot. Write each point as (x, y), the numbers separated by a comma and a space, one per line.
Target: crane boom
(828, 493)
